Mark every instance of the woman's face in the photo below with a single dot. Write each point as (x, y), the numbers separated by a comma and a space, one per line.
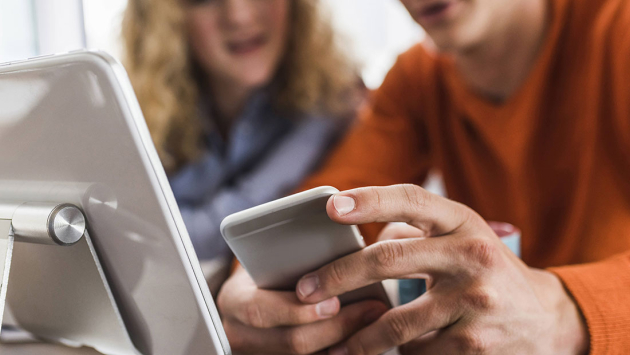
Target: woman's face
(239, 42)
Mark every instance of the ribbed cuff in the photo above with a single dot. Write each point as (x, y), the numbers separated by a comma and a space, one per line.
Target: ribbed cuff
(602, 291)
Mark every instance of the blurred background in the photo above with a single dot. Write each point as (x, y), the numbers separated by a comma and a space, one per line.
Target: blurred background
(375, 31)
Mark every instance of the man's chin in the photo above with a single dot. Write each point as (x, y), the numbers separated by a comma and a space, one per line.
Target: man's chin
(451, 39)
(445, 42)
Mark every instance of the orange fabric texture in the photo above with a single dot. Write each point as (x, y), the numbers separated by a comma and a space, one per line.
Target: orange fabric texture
(554, 159)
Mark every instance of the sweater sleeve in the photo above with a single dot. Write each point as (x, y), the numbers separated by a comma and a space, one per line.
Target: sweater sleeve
(387, 144)
(602, 292)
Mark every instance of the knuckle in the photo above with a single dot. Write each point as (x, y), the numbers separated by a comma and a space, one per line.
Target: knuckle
(254, 316)
(480, 299)
(357, 346)
(482, 252)
(227, 301)
(297, 342)
(474, 221)
(222, 301)
(379, 199)
(335, 274)
(470, 220)
(398, 329)
(416, 196)
(387, 255)
(224, 296)
(470, 343)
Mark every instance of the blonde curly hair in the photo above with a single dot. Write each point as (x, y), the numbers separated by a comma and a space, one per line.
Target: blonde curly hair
(314, 75)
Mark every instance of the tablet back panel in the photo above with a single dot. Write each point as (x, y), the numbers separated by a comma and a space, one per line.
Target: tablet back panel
(71, 131)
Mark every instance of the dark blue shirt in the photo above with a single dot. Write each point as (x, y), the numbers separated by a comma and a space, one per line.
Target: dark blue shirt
(265, 157)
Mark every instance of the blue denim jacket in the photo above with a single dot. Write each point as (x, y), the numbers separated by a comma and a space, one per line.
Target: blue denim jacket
(265, 157)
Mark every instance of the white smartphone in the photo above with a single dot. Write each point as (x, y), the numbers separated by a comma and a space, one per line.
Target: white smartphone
(281, 241)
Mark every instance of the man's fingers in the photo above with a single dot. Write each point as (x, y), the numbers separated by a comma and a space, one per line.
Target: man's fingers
(350, 320)
(417, 346)
(305, 339)
(397, 230)
(266, 309)
(400, 326)
(431, 214)
(394, 259)
(448, 341)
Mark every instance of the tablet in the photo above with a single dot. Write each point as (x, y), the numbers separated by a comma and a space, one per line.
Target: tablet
(280, 241)
(71, 131)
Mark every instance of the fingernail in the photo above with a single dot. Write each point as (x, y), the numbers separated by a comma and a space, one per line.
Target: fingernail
(372, 315)
(328, 308)
(308, 285)
(338, 350)
(344, 204)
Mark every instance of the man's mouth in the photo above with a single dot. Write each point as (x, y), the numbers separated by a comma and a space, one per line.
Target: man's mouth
(247, 45)
(435, 10)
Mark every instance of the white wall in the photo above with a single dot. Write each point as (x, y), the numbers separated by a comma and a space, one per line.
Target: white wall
(35, 27)
(59, 25)
(377, 30)
(103, 19)
(17, 32)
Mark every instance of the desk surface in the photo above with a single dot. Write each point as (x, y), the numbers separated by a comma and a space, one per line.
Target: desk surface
(48, 349)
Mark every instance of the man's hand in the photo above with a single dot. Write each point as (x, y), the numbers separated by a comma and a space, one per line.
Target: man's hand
(271, 322)
(482, 299)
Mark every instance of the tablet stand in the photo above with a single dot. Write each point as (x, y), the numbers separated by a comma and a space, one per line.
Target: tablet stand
(58, 289)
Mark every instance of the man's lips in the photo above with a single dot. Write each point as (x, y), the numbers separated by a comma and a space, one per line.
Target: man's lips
(435, 11)
(246, 46)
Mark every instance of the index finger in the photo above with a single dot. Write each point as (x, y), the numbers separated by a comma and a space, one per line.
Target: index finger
(394, 259)
(431, 214)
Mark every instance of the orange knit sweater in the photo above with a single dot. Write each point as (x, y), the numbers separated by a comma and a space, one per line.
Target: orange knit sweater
(553, 160)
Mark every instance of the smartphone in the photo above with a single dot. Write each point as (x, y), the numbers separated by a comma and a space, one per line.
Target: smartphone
(281, 241)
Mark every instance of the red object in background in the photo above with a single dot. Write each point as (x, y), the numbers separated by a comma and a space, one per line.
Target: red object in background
(509, 234)
(503, 229)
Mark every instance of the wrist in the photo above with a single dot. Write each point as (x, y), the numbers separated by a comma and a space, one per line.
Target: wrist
(571, 335)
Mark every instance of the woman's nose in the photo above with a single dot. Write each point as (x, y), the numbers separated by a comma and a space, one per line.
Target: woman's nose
(240, 12)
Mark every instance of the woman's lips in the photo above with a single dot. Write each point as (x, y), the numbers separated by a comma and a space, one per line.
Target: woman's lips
(247, 46)
(435, 12)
